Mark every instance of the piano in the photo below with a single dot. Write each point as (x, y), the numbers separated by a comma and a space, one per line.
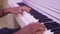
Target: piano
(52, 22)
(48, 22)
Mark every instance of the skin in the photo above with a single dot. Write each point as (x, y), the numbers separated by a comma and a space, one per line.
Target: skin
(34, 28)
(38, 29)
(14, 10)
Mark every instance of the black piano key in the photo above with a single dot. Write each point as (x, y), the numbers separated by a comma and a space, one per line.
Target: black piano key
(51, 25)
(57, 32)
(56, 29)
(37, 15)
(45, 20)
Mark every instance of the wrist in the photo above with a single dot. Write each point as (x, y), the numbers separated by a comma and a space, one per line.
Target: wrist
(6, 10)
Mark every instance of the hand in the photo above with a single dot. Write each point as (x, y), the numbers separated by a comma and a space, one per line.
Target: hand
(24, 8)
(35, 28)
(17, 9)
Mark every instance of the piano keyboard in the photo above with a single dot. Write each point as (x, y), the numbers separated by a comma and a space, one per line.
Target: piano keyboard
(49, 23)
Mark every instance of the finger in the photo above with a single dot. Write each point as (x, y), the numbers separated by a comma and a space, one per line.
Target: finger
(27, 9)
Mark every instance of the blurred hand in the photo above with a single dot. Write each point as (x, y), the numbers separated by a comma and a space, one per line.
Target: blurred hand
(35, 28)
(24, 8)
(17, 10)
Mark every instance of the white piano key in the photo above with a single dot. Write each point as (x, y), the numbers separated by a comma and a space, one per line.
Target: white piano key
(48, 32)
(29, 17)
(25, 19)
